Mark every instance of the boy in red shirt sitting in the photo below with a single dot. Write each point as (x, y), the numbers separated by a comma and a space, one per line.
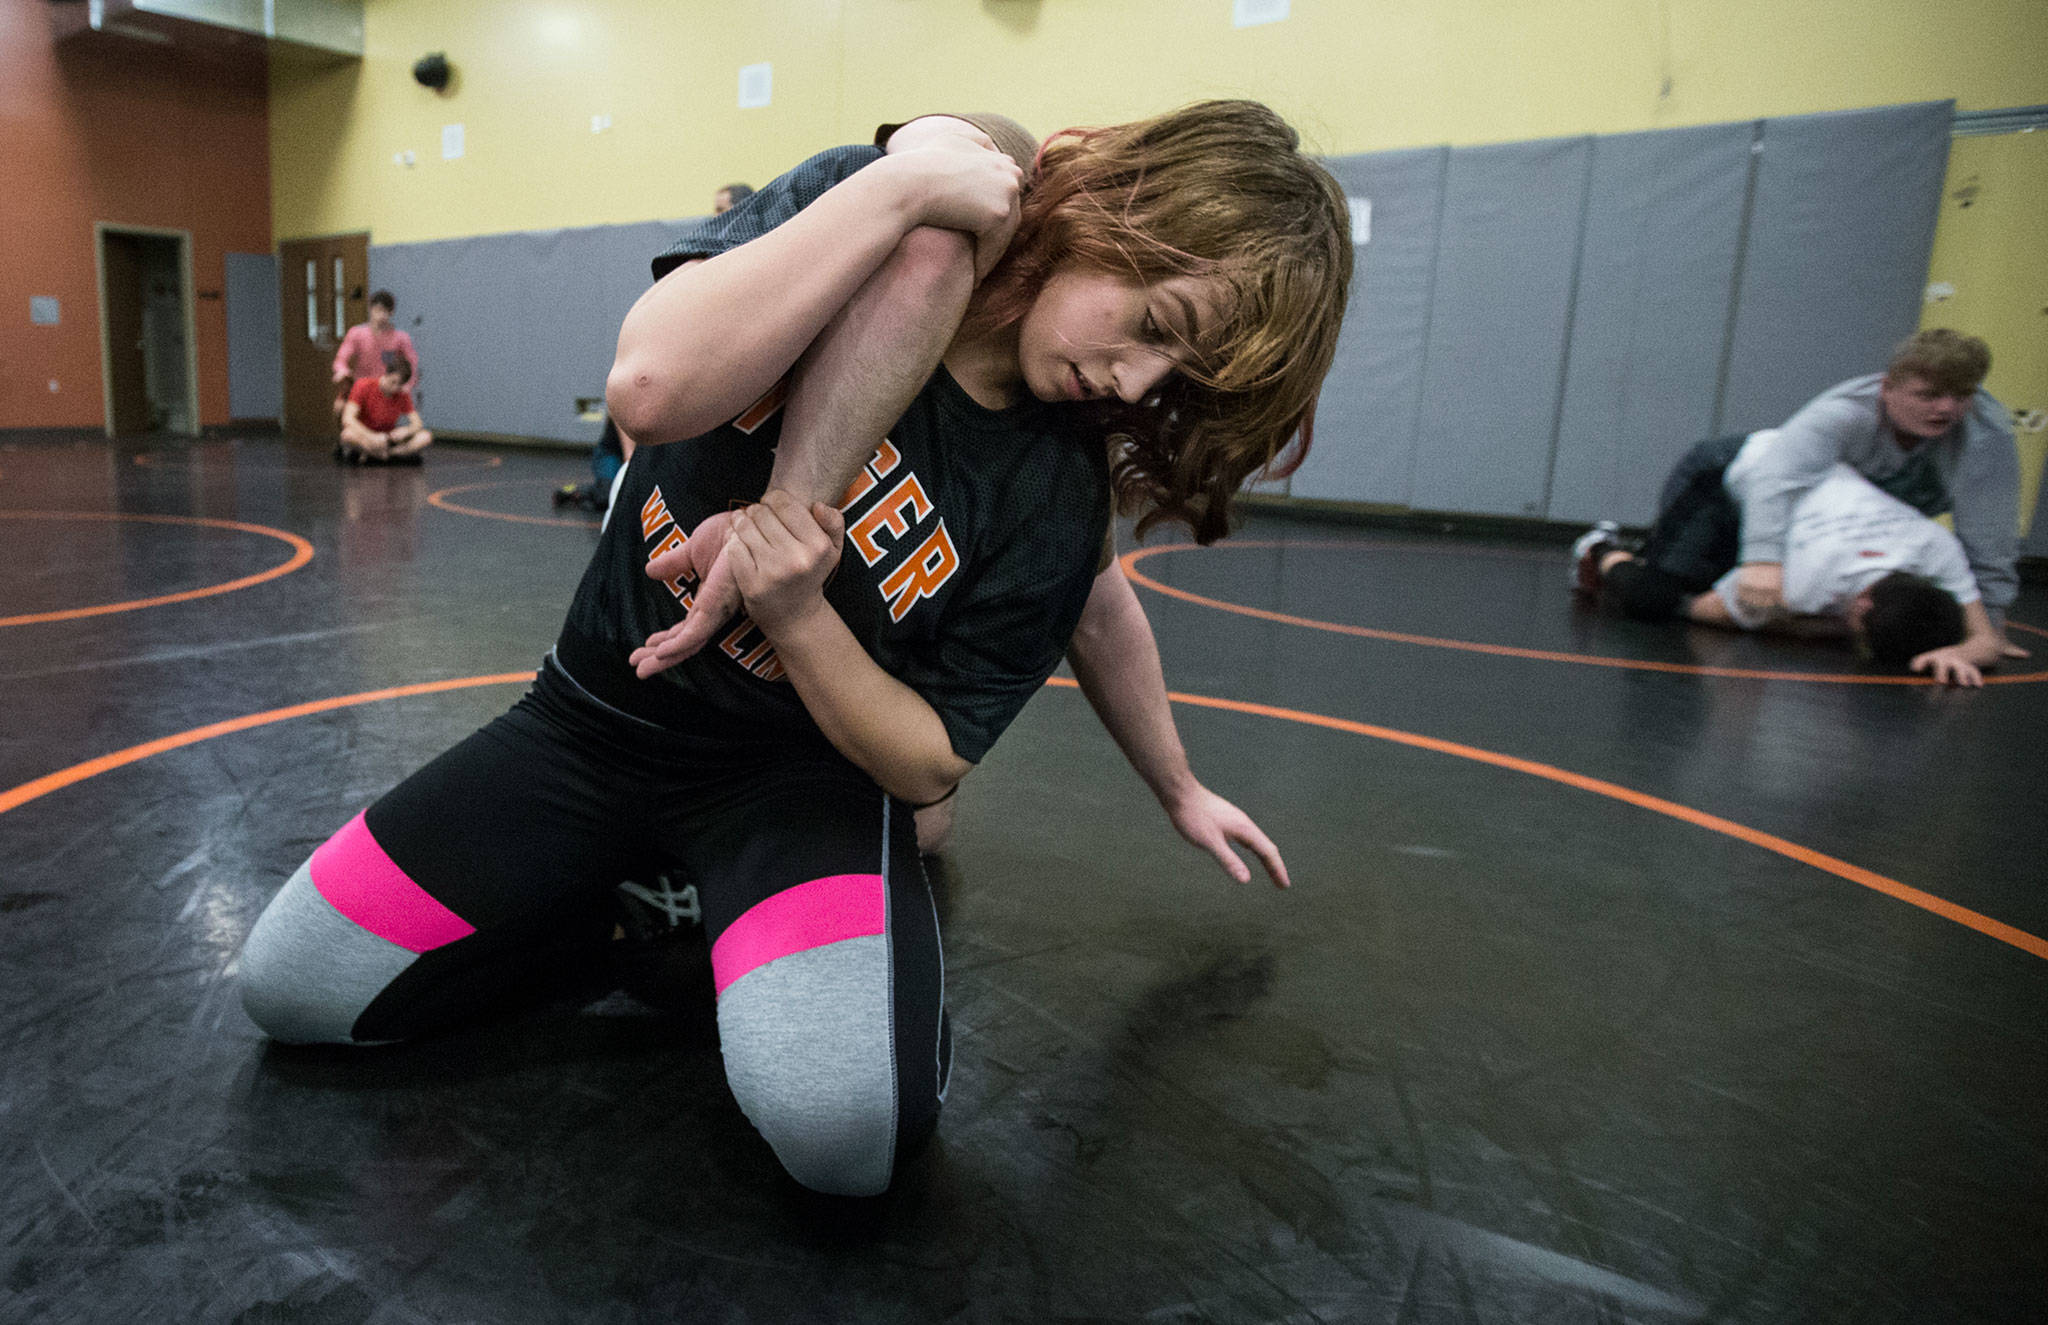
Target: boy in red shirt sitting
(379, 424)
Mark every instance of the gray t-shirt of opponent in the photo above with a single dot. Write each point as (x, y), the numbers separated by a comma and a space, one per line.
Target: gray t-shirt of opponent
(1972, 470)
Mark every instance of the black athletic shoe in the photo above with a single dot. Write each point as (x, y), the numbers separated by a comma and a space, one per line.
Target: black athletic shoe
(1594, 544)
(659, 955)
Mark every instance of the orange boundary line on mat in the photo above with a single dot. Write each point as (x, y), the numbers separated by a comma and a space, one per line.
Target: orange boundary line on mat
(65, 777)
(302, 552)
(1131, 559)
(435, 499)
(1841, 869)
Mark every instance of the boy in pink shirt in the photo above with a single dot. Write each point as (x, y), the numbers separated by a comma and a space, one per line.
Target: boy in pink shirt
(362, 351)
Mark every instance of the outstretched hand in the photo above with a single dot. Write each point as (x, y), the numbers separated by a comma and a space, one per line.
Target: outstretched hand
(1949, 667)
(1214, 824)
(712, 603)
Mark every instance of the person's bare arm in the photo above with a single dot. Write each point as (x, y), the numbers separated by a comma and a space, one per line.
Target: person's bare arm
(343, 355)
(782, 551)
(853, 382)
(353, 429)
(710, 338)
(1116, 660)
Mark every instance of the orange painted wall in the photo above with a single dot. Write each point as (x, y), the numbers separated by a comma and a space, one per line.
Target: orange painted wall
(111, 129)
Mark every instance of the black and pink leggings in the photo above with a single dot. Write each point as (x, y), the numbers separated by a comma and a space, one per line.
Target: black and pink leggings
(455, 893)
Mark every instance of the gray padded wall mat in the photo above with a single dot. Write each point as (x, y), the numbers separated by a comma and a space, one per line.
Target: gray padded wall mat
(1839, 238)
(1656, 277)
(1493, 368)
(512, 329)
(255, 339)
(2035, 544)
(1366, 418)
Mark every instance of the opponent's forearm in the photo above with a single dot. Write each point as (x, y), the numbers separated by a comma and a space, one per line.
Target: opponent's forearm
(869, 363)
(711, 337)
(873, 719)
(1983, 642)
(1116, 660)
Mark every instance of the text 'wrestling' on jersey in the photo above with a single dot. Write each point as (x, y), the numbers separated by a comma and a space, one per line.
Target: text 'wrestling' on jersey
(901, 525)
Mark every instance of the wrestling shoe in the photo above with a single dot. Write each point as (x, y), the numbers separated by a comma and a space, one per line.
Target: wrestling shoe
(659, 911)
(659, 955)
(1584, 575)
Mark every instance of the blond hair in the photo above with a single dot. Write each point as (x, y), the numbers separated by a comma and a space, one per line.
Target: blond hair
(1950, 361)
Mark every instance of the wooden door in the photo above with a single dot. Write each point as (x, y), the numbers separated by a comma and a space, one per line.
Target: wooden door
(323, 291)
(121, 266)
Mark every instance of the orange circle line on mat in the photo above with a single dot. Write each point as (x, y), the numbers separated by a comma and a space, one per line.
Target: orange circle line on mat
(438, 498)
(302, 552)
(1131, 559)
(1841, 869)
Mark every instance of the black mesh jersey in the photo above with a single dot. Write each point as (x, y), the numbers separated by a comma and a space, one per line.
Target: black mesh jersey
(971, 541)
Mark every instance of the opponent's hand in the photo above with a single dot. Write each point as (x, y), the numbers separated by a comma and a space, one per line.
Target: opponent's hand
(959, 185)
(712, 603)
(782, 552)
(1949, 667)
(1760, 586)
(1214, 824)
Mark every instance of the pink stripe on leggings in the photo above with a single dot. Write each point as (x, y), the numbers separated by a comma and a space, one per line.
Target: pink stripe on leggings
(810, 915)
(363, 883)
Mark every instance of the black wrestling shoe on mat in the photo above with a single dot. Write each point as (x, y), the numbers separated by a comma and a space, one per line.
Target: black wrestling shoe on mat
(659, 955)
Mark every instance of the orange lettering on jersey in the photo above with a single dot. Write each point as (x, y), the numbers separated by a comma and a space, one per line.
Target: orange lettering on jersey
(920, 577)
(763, 409)
(888, 513)
(672, 541)
(653, 515)
(769, 668)
(884, 460)
(735, 642)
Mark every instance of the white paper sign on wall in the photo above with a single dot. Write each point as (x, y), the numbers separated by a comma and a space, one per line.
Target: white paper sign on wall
(757, 85)
(1251, 13)
(1361, 219)
(451, 141)
(43, 311)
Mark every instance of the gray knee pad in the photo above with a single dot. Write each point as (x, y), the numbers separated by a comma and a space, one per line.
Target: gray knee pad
(810, 1056)
(308, 971)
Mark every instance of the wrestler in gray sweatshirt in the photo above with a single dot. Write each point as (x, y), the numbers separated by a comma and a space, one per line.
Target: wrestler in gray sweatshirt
(1972, 470)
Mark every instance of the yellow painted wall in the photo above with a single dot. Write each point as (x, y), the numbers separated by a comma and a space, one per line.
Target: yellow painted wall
(1992, 246)
(1355, 75)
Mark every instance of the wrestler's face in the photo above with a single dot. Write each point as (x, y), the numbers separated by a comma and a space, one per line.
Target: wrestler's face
(380, 317)
(391, 384)
(1918, 408)
(1090, 335)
